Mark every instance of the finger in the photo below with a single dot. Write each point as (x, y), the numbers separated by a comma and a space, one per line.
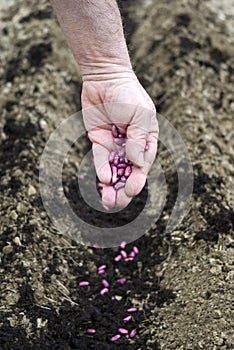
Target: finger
(150, 154)
(137, 134)
(122, 200)
(102, 166)
(109, 196)
(135, 182)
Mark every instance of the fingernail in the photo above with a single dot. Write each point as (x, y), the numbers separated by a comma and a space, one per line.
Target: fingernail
(140, 159)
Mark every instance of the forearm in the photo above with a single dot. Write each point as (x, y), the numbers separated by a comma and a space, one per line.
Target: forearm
(94, 33)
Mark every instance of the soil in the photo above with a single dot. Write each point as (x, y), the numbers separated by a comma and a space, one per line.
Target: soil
(181, 282)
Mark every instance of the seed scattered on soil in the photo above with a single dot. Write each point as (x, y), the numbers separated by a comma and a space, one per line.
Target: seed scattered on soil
(123, 330)
(91, 330)
(115, 337)
(83, 283)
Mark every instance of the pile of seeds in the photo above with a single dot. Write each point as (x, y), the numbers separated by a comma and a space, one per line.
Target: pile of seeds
(121, 166)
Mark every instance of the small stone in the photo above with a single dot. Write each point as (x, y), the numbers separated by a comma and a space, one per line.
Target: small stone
(31, 190)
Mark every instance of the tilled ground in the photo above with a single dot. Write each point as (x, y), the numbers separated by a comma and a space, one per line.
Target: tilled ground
(181, 282)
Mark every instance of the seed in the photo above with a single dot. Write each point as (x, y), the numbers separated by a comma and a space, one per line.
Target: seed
(120, 171)
(123, 330)
(133, 333)
(121, 280)
(136, 250)
(132, 254)
(123, 179)
(101, 272)
(128, 171)
(123, 244)
(114, 178)
(90, 330)
(96, 246)
(119, 185)
(104, 291)
(146, 147)
(127, 318)
(132, 309)
(129, 259)
(123, 253)
(122, 165)
(105, 283)
(101, 267)
(83, 283)
(116, 160)
(118, 257)
(115, 337)
(119, 142)
(127, 336)
(111, 156)
(114, 131)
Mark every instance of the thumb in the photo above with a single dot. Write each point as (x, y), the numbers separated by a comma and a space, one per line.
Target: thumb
(135, 144)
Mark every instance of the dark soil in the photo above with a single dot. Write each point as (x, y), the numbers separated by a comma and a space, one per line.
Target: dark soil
(181, 282)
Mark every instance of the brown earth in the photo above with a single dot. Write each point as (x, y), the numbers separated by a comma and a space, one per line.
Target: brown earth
(182, 282)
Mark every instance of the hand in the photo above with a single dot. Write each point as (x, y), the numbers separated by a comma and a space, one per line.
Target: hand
(121, 100)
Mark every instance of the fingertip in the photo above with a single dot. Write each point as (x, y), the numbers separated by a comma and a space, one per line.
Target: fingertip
(135, 183)
(122, 200)
(108, 197)
(104, 173)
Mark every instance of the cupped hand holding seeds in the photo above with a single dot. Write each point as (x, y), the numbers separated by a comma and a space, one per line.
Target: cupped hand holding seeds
(121, 102)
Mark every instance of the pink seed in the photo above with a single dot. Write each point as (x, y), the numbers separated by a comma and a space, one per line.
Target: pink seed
(118, 142)
(146, 147)
(127, 336)
(123, 244)
(105, 283)
(119, 185)
(101, 272)
(132, 254)
(91, 330)
(83, 283)
(129, 259)
(121, 160)
(115, 337)
(123, 179)
(121, 280)
(132, 309)
(113, 297)
(116, 160)
(133, 333)
(136, 250)
(123, 330)
(126, 160)
(120, 171)
(114, 131)
(114, 169)
(111, 157)
(123, 253)
(114, 178)
(96, 246)
(104, 291)
(118, 258)
(127, 318)
(122, 165)
(128, 171)
(101, 267)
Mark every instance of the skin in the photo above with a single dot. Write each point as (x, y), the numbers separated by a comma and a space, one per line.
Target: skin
(111, 92)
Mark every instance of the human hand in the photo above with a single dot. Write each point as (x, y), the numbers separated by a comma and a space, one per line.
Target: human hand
(121, 100)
